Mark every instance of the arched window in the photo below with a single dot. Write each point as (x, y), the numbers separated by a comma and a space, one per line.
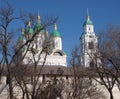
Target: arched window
(58, 54)
(90, 45)
(89, 28)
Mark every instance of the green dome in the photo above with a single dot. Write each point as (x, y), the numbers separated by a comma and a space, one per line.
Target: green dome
(88, 22)
(29, 30)
(42, 31)
(55, 33)
(37, 27)
(20, 38)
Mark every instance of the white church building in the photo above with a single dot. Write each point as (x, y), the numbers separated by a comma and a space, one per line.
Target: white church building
(55, 57)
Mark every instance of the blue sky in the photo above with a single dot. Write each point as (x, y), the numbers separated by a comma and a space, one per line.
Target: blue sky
(72, 14)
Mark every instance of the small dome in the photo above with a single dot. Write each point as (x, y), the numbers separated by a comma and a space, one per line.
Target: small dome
(29, 30)
(43, 31)
(37, 27)
(88, 22)
(20, 38)
(55, 33)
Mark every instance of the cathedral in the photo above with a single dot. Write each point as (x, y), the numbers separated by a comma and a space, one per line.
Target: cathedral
(55, 57)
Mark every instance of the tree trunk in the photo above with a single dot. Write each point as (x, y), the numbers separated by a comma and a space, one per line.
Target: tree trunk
(10, 87)
(111, 95)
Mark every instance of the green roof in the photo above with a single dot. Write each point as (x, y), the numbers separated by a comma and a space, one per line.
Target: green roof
(20, 38)
(88, 22)
(37, 27)
(55, 33)
(29, 30)
(42, 31)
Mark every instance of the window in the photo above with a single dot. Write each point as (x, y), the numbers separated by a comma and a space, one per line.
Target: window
(90, 45)
(89, 28)
(90, 36)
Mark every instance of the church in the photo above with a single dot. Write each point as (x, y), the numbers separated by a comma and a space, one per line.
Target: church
(55, 56)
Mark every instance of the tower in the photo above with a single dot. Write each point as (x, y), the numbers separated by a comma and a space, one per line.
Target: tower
(89, 43)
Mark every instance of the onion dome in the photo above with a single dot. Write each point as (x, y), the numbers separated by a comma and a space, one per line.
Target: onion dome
(38, 25)
(55, 33)
(20, 38)
(29, 30)
(88, 21)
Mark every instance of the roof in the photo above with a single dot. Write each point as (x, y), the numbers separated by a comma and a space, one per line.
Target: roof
(88, 21)
(42, 70)
(29, 30)
(55, 33)
(28, 70)
(20, 38)
(37, 27)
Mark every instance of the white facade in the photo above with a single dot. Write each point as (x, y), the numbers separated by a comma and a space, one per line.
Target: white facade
(89, 44)
(53, 43)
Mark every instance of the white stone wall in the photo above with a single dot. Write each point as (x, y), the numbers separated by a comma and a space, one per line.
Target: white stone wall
(89, 28)
(50, 60)
(18, 92)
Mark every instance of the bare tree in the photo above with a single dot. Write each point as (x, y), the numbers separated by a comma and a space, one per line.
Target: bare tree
(108, 53)
(83, 86)
(6, 18)
(109, 48)
(10, 59)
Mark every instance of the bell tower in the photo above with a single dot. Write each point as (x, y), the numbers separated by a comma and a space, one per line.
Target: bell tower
(89, 43)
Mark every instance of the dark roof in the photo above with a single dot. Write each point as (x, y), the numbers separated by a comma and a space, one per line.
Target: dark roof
(40, 70)
(28, 70)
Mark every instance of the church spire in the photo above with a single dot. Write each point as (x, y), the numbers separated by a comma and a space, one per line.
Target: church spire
(88, 17)
(55, 26)
(38, 18)
(23, 30)
(29, 24)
